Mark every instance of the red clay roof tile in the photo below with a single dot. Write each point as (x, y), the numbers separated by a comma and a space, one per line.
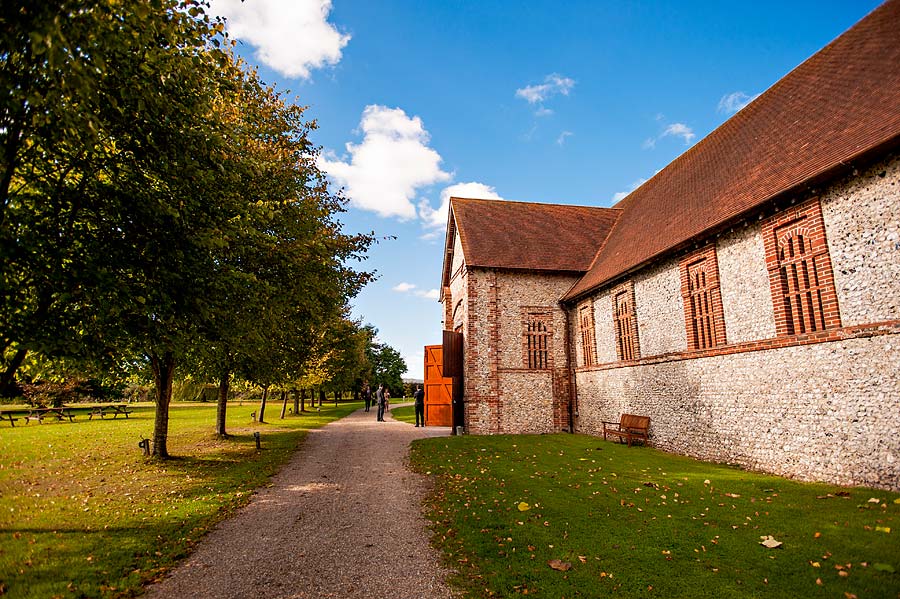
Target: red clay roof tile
(841, 103)
(532, 236)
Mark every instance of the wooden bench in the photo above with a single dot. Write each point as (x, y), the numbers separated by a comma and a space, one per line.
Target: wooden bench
(40, 413)
(8, 416)
(629, 429)
(114, 409)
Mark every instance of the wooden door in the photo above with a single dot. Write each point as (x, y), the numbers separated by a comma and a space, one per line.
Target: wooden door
(438, 389)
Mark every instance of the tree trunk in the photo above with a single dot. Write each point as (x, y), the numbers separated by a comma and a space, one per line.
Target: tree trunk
(224, 383)
(302, 399)
(283, 403)
(356, 393)
(296, 397)
(10, 373)
(321, 396)
(262, 405)
(337, 396)
(163, 373)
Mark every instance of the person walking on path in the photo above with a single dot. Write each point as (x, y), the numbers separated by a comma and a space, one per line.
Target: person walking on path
(419, 396)
(323, 526)
(380, 396)
(367, 396)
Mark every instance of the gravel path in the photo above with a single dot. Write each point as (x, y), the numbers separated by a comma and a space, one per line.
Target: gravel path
(342, 519)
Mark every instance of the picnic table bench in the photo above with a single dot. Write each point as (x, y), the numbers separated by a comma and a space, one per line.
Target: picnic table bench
(630, 428)
(8, 416)
(40, 413)
(114, 409)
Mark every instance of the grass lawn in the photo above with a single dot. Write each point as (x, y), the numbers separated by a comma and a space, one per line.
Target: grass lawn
(84, 514)
(636, 522)
(405, 414)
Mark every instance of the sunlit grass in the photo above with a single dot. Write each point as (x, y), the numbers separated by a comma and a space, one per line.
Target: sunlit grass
(636, 522)
(84, 513)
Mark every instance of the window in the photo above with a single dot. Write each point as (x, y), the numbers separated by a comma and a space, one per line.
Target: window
(627, 347)
(538, 333)
(800, 273)
(588, 339)
(702, 300)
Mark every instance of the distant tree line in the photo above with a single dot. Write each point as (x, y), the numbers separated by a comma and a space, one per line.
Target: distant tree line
(162, 211)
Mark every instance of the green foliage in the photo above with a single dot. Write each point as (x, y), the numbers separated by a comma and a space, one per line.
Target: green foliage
(83, 514)
(161, 205)
(574, 516)
(387, 365)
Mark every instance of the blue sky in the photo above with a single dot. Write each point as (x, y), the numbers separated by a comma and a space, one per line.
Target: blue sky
(570, 102)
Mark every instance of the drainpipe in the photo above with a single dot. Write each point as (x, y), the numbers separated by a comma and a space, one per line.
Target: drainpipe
(570, 350)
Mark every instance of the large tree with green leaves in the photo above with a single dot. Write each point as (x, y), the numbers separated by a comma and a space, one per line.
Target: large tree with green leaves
(155, 195)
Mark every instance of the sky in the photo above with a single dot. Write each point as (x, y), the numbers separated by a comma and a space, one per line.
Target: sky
(575, 102)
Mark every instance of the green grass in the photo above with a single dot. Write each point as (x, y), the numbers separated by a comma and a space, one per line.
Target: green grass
(84, 514)
(405, 414)
(636, 522)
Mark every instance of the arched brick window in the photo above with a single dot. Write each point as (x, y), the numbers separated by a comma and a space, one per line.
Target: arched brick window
(536, 340)
(627, 347)
(588, 336)
(703, 314)
(800, 272)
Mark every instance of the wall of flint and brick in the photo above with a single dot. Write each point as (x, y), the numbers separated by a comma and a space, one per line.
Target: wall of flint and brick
(816, 411)
(501, 393)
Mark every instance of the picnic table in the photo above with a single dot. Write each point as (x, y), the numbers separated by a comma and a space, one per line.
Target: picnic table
(111, 409)
(40, 413)
(8, 415)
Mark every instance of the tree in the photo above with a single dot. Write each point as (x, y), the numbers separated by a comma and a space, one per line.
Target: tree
(143, 171)
(388, 365)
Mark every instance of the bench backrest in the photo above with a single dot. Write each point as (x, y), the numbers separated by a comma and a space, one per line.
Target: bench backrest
(630, 421)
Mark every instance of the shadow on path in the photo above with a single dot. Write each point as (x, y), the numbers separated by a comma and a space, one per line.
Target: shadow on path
(342, 519)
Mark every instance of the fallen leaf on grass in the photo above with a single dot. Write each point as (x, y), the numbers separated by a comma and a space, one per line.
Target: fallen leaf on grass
(523, 507)
(582, 559)
(819, 581)
(770, 542)
(897, 501)
(873, 500)
(886, 529)
(815, 564)
(731, 495)
(850, 595)
(559, 565)
(884, 568)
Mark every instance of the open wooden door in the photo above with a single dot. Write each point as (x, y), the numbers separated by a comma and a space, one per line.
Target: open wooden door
(438, 389)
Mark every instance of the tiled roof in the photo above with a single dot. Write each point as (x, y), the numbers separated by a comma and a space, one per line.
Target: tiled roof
(838, 105)
(526, 235)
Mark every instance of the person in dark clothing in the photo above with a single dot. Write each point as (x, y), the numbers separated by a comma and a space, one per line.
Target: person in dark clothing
(419, 396)
(367, 396)
(380, 396)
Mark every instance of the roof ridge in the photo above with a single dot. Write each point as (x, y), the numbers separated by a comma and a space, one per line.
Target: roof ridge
(458, 198)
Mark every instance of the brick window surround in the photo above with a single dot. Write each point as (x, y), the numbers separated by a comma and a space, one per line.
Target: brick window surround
(703, 314)
(800, 274)
(627, 346)
(537, 337)
(588, 335)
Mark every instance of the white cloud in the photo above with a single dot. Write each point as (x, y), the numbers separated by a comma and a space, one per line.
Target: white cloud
(562, 137)
(543, 111)
(679, 130)
(672, 130)
(410, 287)
(290, 36)
(731, 103)
(622, 194)
(553, 84)
(389, 165)
(438, 218)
